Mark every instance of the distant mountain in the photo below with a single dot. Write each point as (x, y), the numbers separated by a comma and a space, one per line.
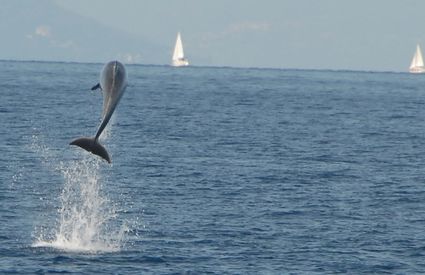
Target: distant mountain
(42, 30)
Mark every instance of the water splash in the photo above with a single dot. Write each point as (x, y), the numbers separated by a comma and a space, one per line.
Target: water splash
(87, 217)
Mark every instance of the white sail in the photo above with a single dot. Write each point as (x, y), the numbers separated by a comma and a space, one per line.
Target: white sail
(178, 54)
(417, 65)
(178, 48)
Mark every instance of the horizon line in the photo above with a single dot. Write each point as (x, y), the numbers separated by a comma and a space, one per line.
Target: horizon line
(208, 66)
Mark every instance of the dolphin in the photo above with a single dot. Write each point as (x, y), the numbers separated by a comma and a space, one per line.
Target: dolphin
(113, 81)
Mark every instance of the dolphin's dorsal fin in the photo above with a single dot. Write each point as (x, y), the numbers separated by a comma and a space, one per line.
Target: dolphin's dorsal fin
(95, 87)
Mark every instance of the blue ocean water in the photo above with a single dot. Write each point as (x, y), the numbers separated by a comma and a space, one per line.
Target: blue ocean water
(214, 170)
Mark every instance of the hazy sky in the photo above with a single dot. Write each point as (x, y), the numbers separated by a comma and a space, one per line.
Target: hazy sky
(330, 34)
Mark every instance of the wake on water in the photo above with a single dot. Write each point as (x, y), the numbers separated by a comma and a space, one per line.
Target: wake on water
(87, 218)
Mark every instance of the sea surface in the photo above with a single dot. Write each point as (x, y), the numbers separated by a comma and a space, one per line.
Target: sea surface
(214, 171)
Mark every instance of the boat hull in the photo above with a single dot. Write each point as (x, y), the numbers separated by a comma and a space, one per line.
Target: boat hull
(180, 63)
(417, 70)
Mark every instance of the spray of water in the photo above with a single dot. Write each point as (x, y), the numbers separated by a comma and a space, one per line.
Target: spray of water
(85, 214)
(87, 218)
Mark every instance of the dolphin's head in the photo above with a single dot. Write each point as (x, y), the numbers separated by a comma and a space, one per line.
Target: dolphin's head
(113, 77)
(113, 81)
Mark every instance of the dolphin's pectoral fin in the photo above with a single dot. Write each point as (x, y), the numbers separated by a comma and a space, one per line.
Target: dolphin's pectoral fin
(95, 87)
(93, 146)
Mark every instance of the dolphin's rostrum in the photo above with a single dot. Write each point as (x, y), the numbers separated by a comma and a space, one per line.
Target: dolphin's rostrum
(113, 81)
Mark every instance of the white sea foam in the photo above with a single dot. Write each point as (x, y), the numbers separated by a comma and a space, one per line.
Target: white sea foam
(87, 219)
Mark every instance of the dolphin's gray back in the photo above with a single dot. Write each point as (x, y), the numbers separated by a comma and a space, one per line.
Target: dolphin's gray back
(113, 81)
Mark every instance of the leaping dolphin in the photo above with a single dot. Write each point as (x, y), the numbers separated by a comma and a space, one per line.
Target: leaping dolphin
(113, 81)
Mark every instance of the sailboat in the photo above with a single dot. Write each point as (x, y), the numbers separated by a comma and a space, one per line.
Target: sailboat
(417, 65)
(178, 55)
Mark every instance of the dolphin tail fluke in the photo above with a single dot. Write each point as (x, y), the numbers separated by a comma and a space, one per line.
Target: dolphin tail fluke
(92, 145)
